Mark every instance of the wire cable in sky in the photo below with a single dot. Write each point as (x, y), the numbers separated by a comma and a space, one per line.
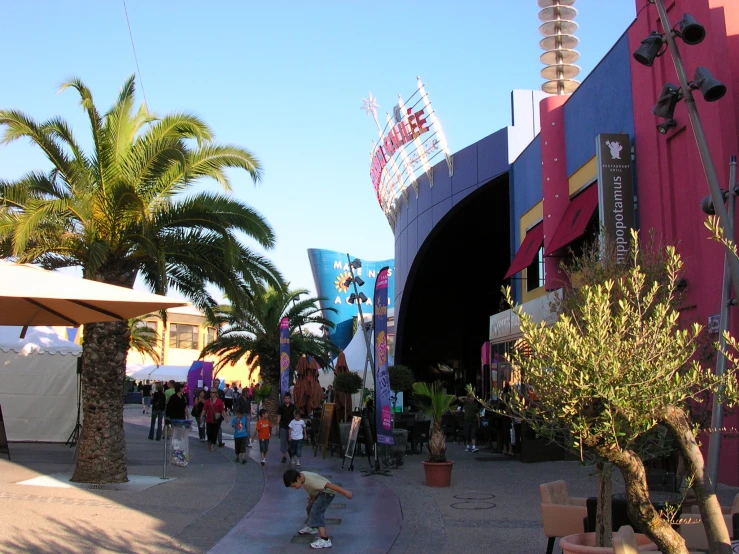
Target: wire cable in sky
(135, 57)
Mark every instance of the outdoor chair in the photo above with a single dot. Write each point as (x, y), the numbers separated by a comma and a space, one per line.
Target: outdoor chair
(450, 428)
(693, 531)
(561, 514)
(421, 431)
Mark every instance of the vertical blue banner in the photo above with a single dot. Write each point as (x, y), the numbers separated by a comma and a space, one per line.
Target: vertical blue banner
(284, 356)
(383, 410)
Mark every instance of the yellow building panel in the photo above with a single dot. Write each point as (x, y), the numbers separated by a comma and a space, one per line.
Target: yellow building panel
(534, 215)
(584, 175)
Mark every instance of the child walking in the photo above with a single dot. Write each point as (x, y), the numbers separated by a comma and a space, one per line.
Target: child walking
(241, 433)
(321, 493)
(297, 428)
(263, 431)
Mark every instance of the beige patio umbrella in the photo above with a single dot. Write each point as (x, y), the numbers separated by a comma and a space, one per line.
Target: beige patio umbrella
(32, 296)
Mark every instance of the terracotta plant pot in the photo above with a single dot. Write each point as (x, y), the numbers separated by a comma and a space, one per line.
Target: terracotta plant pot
(438, 474)
(584, 543)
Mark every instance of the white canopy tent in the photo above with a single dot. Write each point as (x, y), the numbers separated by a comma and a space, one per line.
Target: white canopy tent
(152, 372)
(38, 383)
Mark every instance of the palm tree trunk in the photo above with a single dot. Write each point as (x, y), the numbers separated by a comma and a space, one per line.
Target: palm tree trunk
(101, 456)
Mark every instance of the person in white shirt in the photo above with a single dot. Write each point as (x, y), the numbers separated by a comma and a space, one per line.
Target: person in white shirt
(297, 432)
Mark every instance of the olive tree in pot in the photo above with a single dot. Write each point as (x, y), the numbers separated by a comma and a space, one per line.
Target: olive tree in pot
(610, 374)
(434, 401)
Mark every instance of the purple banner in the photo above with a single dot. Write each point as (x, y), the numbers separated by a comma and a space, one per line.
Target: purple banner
(382, 379)
(284, 356)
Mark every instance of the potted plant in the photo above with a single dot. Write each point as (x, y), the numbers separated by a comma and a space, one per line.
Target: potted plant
(347, 383)
(262, 393)
(401, 379)
(434, 401)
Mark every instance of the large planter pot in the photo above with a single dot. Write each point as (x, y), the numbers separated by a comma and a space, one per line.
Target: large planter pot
(584, 543)
(438, 474)
(393, 456)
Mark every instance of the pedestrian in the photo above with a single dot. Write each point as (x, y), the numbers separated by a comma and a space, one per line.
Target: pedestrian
(471, 421)
(213, 411)
(321, 493)
(262, 432)
(297, 428)
(170, 389)
(228, 398)
(241, 435)
(146, 396)
(243, 403)
(177, 406)
(284, 416)
(217, 387)
(158, 402)
(197, 412)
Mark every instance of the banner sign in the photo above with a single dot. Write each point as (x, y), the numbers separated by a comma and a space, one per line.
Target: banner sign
(407, 143)
(616, 190)
(383, 409)
(330, 272)
(284, 356)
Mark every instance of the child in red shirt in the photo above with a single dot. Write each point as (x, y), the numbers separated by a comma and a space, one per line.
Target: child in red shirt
(263, 432)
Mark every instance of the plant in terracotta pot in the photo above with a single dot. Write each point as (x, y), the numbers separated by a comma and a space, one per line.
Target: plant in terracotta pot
(433, 400)
(347, 383)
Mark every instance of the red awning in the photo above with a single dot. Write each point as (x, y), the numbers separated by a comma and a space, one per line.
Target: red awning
(528, 249)
(575, 219)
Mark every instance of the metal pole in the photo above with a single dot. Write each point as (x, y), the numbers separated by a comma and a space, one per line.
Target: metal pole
(700, 139)
(717, 415)
(361, 317)
(164, 470)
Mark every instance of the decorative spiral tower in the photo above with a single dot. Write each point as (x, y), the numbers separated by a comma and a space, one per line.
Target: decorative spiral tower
(559, 41)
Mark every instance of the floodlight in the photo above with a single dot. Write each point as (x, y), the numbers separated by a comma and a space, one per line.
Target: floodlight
(649, 49)
(359, 281)
(691, 31)
(666, 126)
(352, 298)
(356, 263)
(707, 202)
(668, 99)
(362, 297)
(348, 282)
(711, 88)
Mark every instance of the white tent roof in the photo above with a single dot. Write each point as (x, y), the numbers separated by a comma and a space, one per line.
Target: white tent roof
(158, 373)
(46, 340)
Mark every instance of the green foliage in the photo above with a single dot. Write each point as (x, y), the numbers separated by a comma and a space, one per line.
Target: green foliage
(434, 401)
(401, 378)
(263, 393)
(143, 339)
(347, 382)
(250, 329)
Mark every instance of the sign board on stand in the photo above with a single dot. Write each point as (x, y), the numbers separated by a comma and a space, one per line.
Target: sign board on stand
(328, 430)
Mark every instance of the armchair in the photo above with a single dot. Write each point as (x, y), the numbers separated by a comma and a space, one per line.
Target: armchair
(561, 514)
(695, 534)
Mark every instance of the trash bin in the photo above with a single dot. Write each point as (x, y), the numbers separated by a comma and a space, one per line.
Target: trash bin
(179, 451)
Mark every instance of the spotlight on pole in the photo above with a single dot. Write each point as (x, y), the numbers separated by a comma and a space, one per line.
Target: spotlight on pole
(352, 298)
(359, 281)
(356, 263)
(691, 31)
(348, 282)
(668, 99)
(649, 49)
(666, 126)
(711, 88)
(707, 202)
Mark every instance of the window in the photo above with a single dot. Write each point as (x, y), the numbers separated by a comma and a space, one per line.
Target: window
(535, 272)
(210, 335)
(151, 325)
(183, 336)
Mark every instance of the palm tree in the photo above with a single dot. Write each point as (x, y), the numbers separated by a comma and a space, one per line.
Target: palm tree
(120, 212)
(251, 330)
(144, 340)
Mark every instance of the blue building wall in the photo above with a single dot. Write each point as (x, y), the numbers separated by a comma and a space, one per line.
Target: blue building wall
(525, 193)
(602, 104)
(473, 167)
(330, 270)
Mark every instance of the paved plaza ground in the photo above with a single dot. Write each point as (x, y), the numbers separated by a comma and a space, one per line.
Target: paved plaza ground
(215, 505)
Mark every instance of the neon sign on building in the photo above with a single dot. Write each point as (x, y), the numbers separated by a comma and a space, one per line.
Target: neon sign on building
(411, 138)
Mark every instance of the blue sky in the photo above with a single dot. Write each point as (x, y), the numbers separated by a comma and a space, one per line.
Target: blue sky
(286, 80)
